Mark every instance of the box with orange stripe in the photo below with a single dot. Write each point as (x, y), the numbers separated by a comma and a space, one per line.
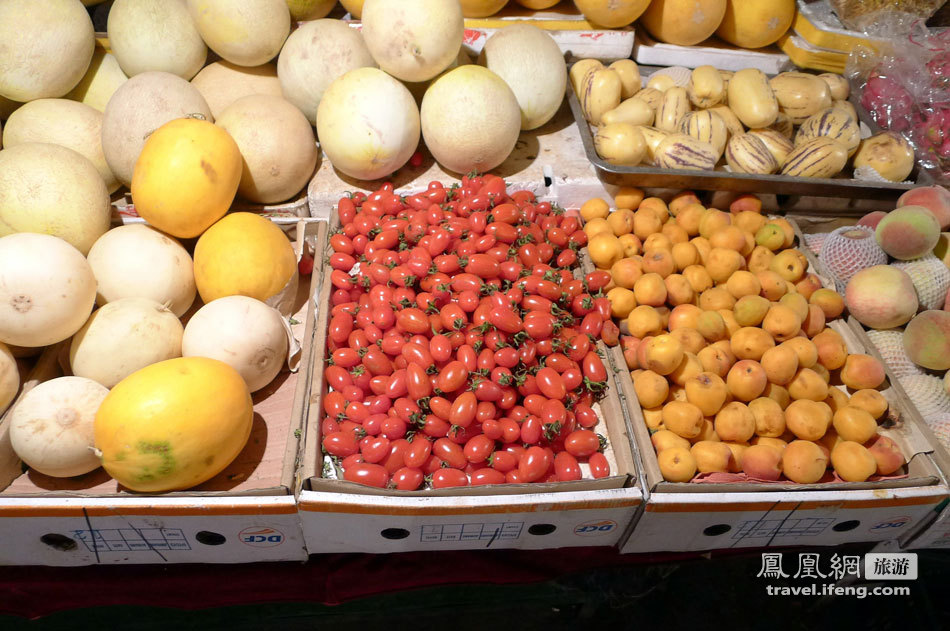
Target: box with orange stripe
(338, 516)
(247, 513)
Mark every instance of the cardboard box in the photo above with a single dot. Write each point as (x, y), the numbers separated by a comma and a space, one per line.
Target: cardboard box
(693, 517)
(246, 513)
(340, 516)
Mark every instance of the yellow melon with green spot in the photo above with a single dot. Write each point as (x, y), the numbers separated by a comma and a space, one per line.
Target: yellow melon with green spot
(174, 424)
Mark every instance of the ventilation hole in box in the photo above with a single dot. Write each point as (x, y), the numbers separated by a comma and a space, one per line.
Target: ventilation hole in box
(394, 533)
(548, 176)
(845, 526)
(541, 529)
(718, 529)
(58, 541)
(210, 538)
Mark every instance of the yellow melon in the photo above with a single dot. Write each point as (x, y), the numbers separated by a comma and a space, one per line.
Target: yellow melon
(243, 255)
(612, 13)
(302, 10)
(683, 22)
(756, 23)
(481, 8)
(159, 430)
(186, 176)
(537, 5)
(100, 82)
(355, 7)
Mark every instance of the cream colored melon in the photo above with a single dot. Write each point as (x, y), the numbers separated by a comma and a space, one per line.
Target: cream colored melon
(46, 289)
(470, 119)
(45, 47)
(155, 35)
(368, 124)
(122, 337)
(51, 428)
(100, 82)
(413, 40)
(756, 23)
(140, 106)
(223, 83)
(246, 33)
(683, 22)
(50, 189)
(9, 377)
(314, 56)
(242, 332)
(62, 122)
(138, 261)
(531, 63)
(301, 10)
(277, 144)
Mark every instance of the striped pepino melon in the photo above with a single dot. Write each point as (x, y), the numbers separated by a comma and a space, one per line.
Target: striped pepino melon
(174, 424)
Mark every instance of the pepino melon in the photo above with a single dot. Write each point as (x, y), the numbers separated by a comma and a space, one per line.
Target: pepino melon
(683, 22)
(531, 63)
(756, 23)
(470, 119)
(174, 424)
(223, 83)
(612, 13)
(368, 124)
(246, 33)
(155, 35)
(413, 40)
(45, 47)
(186, 177)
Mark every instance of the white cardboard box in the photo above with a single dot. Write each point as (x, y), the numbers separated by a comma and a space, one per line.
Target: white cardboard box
(245, 514)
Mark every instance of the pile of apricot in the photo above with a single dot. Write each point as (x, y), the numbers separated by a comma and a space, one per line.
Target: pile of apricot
(725, 333)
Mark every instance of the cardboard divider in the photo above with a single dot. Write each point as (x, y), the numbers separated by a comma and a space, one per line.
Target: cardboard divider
(92, 519)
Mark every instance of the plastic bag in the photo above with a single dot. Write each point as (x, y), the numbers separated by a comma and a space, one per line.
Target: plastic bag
(906, 88)
(869, 16)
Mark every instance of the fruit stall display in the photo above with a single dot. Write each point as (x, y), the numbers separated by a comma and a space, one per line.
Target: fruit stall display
(738, 358)
(794, 126)
(892, 268)
(464, 347)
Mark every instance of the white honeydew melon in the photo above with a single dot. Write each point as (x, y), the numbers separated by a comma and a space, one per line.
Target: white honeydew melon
(246, 33)
(122, 337)
(51, 427)
(470, 119)
(62, 122)
(138, 261)
(277, 144)
(54, 190)
(140, 106)
(47, 289)
(45, 47)
(419, 89)
(413, 40)
(9, 377)
(223, 83)
(368, 124)
(531, 63)
(155, 35)
(242, 332)
(100, 82)
(314, 56)
(301, 10)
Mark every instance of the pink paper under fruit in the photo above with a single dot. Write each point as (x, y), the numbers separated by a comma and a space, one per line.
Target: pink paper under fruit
(881, 297)
(908, 232)
(927, 340)
(936, 199)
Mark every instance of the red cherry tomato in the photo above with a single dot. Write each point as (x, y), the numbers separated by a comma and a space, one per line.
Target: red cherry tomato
(341, 444)
(582, 443)
(550, 383)
(566, 467)
(478, 448)
(449, 452)
(452, 376)
(463, 409)
(531, 430)
(585, 416)
(593, 367)
(374, 448)
(368, 474)
(599, 467)
(449, 477)
(533, 464)
(418, 452)
(487, 476)
(407, 479)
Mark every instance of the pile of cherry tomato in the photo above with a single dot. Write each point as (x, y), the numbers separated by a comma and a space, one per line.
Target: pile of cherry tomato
(461, 349)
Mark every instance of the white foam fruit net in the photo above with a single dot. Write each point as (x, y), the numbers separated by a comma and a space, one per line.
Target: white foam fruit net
(890, 343)
(848, 250)
(931, 279)
(927, 394)
(940, 425)
(814, 241)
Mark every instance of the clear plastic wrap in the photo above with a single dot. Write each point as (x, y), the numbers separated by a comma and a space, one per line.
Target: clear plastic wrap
(868, 15)
(906, 89)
